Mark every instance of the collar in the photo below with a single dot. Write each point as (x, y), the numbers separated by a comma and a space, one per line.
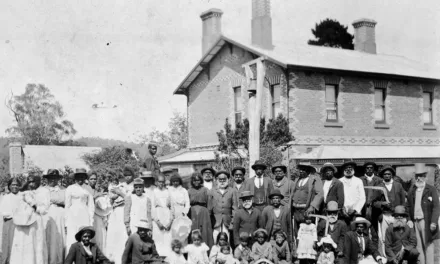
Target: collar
(279, 183)
(369, 178)
(388, 183)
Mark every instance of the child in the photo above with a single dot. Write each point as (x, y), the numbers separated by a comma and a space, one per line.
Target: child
(176, 256)
(280, 248)
(222, 240)
(307, 235)
(261, 249)
(197, 251)
(225, 256)
(327, 256)
(242, 252)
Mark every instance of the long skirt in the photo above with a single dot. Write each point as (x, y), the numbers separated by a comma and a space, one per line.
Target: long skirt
(116, 235)
(55, 234)
(29, 245)
(77, 216)
(100, 223)
(7, 240)
(201, 220)
(162, 238)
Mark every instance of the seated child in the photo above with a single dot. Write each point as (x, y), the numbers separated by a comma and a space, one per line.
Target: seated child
(261, 249)
(280, 248)
(327, 256)
(222, 240)
(242, 252)
(197, 251)
(225, 256)
(176, 256)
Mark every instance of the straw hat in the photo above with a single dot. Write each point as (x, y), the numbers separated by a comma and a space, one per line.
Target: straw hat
(85, 229)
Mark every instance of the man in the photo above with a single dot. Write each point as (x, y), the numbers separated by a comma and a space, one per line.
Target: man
(238, 183)
(370, 179)
(167, 172)
(306, 194)
(400, 240)
(140, 247)
(336, 229)
(333, 189)
(151, 163)
(358, 248)
(247, 219)
(259, 185)
(222, 203)
(424, 211)
(354, 192)
(276, 217)
(137, 207)
(208, 176)
(282, 183)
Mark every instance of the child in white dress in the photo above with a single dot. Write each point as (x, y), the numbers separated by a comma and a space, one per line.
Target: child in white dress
(327, 256)
(176, 256)
(198, 250)
(307, 236)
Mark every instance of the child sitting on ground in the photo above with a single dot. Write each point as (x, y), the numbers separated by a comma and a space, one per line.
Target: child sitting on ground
(225, 256)
(176, 256)
(222, 240)
(327, 256)
(261, 249)
(280, 248)
(197, 251)
(242, 252)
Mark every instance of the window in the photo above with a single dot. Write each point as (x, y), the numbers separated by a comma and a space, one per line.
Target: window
(331, 102)
(379, 103)
(238, 106)
(276, 99)
(427, 108)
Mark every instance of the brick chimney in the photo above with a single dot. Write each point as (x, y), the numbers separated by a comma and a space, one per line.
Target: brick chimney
(16, 158)
(365, 35)
(261, 24)
(212, 28)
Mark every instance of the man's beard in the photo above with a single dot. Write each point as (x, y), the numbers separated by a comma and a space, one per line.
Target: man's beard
(247, 206)
(208, 180)
(399, 222)
(329, 177)
(420, 184)
(349, 175)
(238, 181)
(332, 218)
(387, 180)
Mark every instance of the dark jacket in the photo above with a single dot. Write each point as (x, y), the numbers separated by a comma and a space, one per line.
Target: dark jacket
(371, 195)
(396, 196)
(267, 185)
(78, 255)
(268, 216)
(315, 196)
(151, 163)
(245, 222)
(335, 193)
(430, 208)
(237, 193)
(337, 234)
(395, 239)
(222, 206)
(138, 251)
(352, 248)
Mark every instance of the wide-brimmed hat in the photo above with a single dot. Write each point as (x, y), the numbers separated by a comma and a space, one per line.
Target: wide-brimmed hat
(259, 164)
(245, 194)
(327, 240)
(330, 166)
(243, 170)
(52, 174)
(83, 229)
(276, 192)
(260, 230)
(138, 181)
(81, 173)
(370, 163)
(208, 169)
(167, 169)
(332, 206)
(385, 168)
(222, 172)
(400, 210)
(280, 166)
(143, 224)
(420, 169)
(352, 163)
(361, 220)
(147, 174)
(306, 166)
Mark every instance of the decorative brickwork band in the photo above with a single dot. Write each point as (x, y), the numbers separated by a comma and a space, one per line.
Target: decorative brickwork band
(331, 79)
(274, 79)
(380, 84)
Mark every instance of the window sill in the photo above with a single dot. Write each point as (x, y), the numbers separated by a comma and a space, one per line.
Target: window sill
(429, 127)
(381, 126)
(333, 124)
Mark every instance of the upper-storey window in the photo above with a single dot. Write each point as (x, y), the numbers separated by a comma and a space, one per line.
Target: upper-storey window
(238, 105)
(276, 99)
(379, 103)
(331, 102)
(427, 108)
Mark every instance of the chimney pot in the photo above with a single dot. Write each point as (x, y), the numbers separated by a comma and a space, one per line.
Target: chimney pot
(261, 24)
(212, 28)
(365, 35)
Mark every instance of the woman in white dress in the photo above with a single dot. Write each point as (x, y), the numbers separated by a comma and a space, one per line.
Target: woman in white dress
(179, 197)
(162, 217)
(80, 207)
(103, 208)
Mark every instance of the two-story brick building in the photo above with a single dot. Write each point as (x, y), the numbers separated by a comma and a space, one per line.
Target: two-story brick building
(341, 104)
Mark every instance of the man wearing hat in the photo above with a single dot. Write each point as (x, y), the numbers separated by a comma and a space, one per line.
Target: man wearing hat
(223, 203)
(259, 185)
(400, 240)
(238, 183)
(151, 163)
(282, 183)
(353, 190)
(140, 247)
(149, 180)
(306, 194)
(336, 228)
(84, 251)
(247, 219)
(208, 177)
(276, 216)
(137, 207)
(167, 172)
(424, 211)
(370, 179)
(358, 247)
(333, 189)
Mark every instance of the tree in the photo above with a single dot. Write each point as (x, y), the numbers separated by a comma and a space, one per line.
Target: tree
(39, 117)
(331, 33)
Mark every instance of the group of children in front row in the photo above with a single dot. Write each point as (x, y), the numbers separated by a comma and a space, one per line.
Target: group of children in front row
(262, 251)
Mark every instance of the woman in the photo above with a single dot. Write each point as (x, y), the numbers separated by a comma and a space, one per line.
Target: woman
(199, 214)
(80, 206)
(162, 217)
(84, 251)
(179, 197)
(55, 218)
(103, 208)
(8, 206)
(140, 247)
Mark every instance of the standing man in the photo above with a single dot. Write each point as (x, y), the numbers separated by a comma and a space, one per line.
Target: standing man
(354, 192)
(277, 216)
(208, 176)
(168, 172)
(333, 189)
(370, 179)
(151, 163)
(247, 219)
(282, 183)
(259, 185)
(238, 183)
(223, 204)
(424, 211)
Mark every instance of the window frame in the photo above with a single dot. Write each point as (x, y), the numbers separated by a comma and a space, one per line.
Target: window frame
(336, 105)
(431, 102)
(384, 105)
(236, 110)
(272, 100)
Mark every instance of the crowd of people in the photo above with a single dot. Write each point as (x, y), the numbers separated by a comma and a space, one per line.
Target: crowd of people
(222, 218)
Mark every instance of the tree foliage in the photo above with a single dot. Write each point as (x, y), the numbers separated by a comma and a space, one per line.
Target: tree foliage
(39, 117)
(331, 33)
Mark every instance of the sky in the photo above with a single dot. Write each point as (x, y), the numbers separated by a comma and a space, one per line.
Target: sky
(135, 53)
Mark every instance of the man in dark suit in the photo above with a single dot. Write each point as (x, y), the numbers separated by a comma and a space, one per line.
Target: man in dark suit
(151, 163)
(358, 248)
(370, 179)
(259, 186)
(281, 182)
(237, 183)
(277, 216)
(333, 189)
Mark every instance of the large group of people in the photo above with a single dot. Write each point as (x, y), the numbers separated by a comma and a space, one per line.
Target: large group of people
(222, 218)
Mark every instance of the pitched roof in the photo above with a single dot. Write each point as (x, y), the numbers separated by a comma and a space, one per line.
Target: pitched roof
(56, 157)
(324, 58)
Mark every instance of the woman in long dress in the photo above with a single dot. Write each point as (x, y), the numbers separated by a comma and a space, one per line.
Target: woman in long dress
(8, 206)
(103, 208)
(179, 197)
(162, 217)
(80, 207)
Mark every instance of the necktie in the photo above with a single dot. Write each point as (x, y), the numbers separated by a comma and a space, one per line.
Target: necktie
(361, 238)
(261, 183)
